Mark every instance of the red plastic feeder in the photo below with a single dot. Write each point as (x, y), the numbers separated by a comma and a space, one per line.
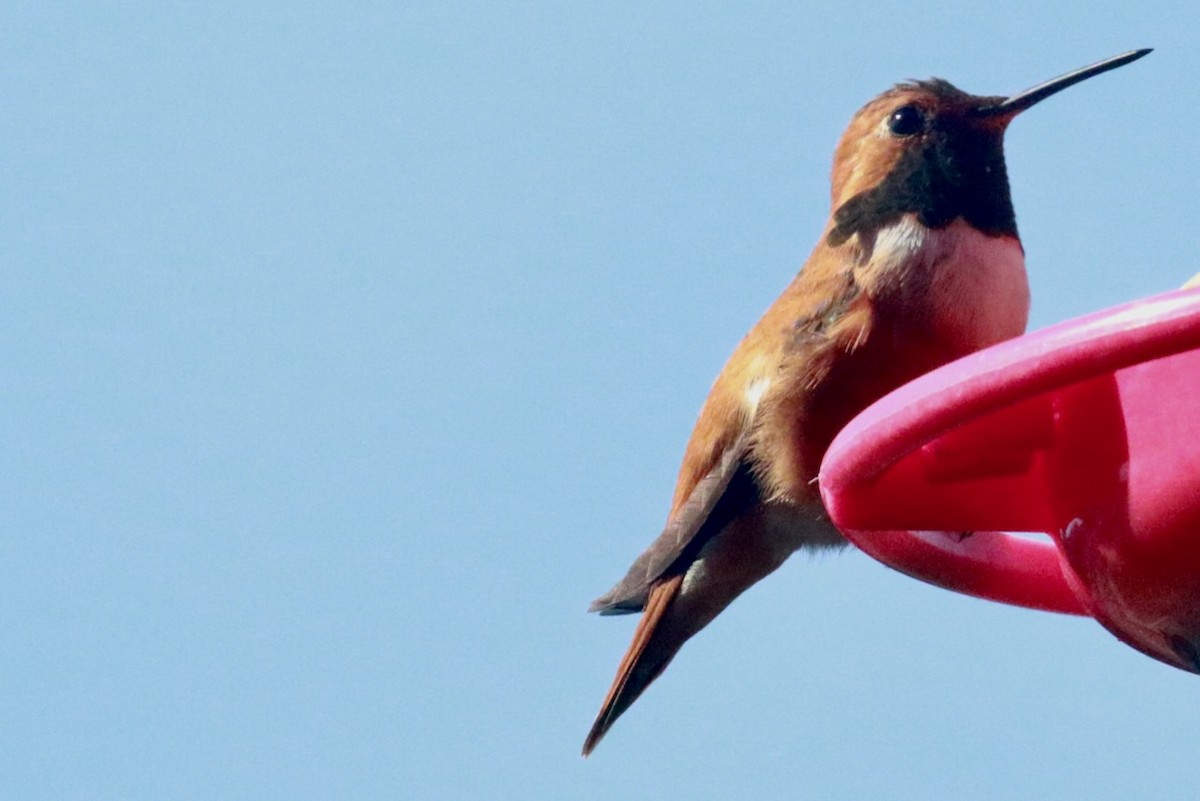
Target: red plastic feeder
(1087, 432)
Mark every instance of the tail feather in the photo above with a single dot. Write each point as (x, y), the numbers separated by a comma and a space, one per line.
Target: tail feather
(648, 655)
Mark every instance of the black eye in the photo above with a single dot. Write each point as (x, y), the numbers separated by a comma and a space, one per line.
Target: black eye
(906, 121)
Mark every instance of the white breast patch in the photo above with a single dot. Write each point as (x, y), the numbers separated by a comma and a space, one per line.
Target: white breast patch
(973, 285)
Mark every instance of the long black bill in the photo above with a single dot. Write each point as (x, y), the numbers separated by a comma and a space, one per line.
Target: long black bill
(1019, 102)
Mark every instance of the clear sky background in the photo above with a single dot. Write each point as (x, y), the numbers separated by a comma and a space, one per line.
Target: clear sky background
(348, 350)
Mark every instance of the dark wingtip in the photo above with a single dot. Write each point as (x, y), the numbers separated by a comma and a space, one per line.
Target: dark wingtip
(608, 608)
(617, 601)
(601, 604)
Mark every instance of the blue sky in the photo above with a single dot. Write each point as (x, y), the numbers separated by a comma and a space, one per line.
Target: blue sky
(349, 351)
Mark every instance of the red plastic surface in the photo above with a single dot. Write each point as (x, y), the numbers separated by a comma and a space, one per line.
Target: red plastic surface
(1082, 432)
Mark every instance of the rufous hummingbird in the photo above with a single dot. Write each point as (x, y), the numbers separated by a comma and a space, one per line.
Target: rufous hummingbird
(919, 265)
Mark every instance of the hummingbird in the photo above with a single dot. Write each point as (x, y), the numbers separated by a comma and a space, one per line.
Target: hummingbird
(919, 265)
